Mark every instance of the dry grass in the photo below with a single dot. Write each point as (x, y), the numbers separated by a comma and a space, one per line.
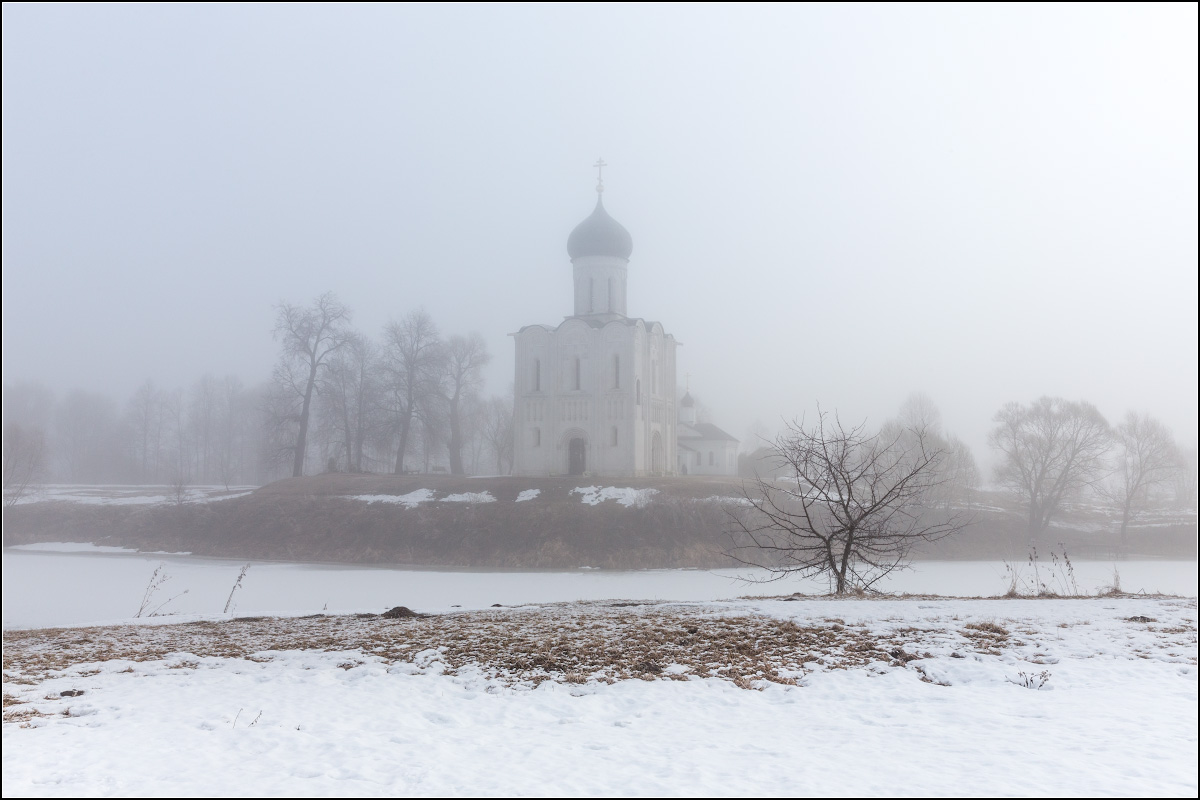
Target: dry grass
(573, 643)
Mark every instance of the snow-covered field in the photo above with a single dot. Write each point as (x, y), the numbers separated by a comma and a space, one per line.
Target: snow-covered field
(814, 697)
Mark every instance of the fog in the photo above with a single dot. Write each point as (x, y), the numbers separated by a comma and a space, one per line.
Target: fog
(836, 205)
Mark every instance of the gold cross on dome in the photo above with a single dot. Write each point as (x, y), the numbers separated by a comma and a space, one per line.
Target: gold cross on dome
(599, 165)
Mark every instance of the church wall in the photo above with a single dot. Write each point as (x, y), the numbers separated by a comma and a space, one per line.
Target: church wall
(724, 457)
(547, 418)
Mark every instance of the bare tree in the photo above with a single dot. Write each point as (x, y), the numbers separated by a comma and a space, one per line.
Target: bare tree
(309, 337)
(958, 474)
(1183, 487)
(465, 359)
(347, 394)
(497, 430)
(855, 507)
(1051, 450)
(412, 359)
(24, 461)
(144, 414)
(1147, 457)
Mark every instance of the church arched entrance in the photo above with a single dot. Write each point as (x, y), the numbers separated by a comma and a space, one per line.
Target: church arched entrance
(576, 456)
(656, 454)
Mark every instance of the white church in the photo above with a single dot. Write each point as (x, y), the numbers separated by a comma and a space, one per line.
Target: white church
(596, 394)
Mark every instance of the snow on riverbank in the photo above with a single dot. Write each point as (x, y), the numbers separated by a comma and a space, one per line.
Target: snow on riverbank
(131, 495)
(398, 714)
(626, 496)
(410, 500)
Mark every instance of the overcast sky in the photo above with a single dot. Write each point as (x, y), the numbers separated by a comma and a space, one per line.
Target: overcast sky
(833, 204)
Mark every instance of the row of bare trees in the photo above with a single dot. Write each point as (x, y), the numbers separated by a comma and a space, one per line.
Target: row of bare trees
(375, 404)
(1054, 452)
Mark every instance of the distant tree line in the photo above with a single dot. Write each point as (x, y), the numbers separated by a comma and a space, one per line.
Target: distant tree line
(409, 401)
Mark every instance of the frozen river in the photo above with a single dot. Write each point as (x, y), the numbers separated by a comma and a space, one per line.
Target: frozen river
(49, 588)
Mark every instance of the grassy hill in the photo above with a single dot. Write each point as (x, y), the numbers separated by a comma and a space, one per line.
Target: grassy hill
(511, 522)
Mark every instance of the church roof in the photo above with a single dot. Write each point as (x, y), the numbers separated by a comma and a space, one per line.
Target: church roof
(598, 321)
(687, 401)
(599, 235)
(703, 431)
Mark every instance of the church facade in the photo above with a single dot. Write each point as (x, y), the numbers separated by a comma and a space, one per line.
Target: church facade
(595, 394)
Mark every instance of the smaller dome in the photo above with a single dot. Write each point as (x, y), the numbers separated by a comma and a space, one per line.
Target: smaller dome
(599, 235)
(687, 401)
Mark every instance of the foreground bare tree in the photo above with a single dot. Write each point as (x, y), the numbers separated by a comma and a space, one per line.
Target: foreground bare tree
(24, 461)
(855, 508)
(1052, 449)
(1147, 457)
(309, 337)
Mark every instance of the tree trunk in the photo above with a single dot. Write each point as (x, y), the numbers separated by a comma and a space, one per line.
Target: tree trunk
(349, 436)
(1125, 524)
(405, 427)
(456, 465)
(302, 435)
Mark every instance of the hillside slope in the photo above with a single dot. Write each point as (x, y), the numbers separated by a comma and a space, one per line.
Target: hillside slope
(505, 522)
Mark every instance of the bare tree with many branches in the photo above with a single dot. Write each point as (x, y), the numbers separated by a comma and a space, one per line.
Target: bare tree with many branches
(1052, 449)
(466, 356)
(348, 397)
(412, 360)
(309, 337)
(854, 506)
(1147, 457)
(497, 430)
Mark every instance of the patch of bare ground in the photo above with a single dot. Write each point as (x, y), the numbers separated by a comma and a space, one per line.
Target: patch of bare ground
(574, 643)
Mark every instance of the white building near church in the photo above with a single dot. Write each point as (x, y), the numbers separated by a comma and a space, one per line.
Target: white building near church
(704, 449)
(595, 394)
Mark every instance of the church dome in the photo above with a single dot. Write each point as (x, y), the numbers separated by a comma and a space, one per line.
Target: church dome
(599, 235)
(687, 401)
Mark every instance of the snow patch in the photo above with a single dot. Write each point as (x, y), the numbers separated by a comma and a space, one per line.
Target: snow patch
(528, 494)
(626, 496)
(129, 495)
(71, 547)
(410, 500)
(470, 497)
(726, 501)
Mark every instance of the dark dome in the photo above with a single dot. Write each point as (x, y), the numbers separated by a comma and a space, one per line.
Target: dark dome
(599, 235)
(687, 401)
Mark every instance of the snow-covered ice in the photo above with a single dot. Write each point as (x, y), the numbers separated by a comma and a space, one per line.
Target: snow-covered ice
(71, 547)
(39, 587)
(527, 494)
